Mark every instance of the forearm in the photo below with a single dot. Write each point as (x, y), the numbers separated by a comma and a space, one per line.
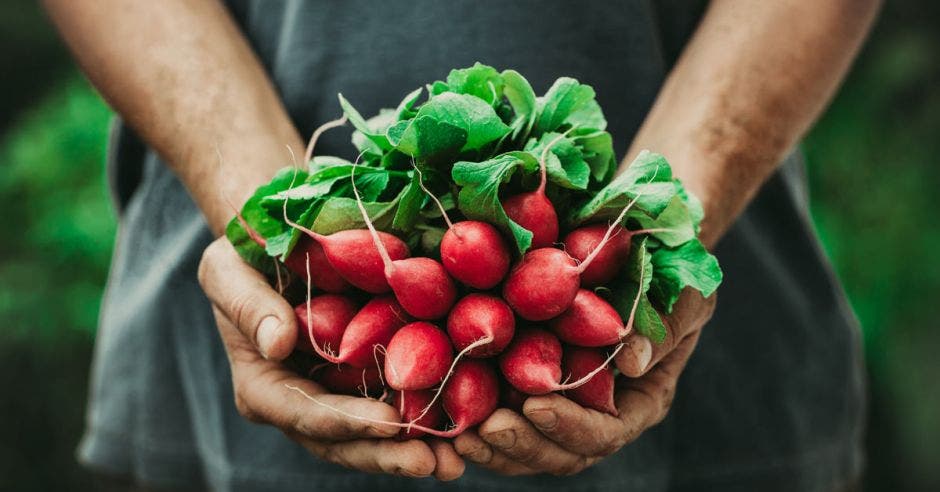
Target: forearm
(182, 75)
(747, 87)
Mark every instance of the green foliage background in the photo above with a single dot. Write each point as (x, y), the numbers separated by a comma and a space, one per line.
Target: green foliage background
(874, 174)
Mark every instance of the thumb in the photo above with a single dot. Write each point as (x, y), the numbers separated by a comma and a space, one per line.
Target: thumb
(242, 295)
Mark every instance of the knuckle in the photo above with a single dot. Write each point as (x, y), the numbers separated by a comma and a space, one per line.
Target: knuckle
(207, 263)
(245, 409)
(241, 310)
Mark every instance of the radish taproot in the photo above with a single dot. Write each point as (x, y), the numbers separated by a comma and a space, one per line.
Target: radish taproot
(532, 363)
(481, 317)
(598, 392)
(544, 283)
(410, 405)
(421, 285)
(417, 357)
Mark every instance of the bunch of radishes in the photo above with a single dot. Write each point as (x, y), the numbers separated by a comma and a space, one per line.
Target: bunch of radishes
(446, 306)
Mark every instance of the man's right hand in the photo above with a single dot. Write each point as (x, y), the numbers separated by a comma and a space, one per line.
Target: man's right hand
(258, 329)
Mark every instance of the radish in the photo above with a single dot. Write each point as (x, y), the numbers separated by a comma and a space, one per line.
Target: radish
(325, 278)
(533, 210)
(472, 251)
(598, 392)
(532, 363)
(481, 317)
(421, 285)
(511, 398)
(417, 357)
(344, 379)
(469, 398)
(324, 319)
(544, 283)
(580, 242)
(589, 322)
(410, 404)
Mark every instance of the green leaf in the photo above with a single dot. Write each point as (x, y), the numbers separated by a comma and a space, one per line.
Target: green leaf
(568, 103)
(409, 207)
(426, 137)
(340, 214)
(649, 176)
(564, 163)
(598, 150)
(637, 275)
(404, 111)
(523, 101)
(479, 197)
(482, 81)
(362, 126)
(677, 221)
(370, 181)
(689, 265)
(436, 126)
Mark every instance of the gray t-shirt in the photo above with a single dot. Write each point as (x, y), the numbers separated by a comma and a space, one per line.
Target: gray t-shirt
(772, 399)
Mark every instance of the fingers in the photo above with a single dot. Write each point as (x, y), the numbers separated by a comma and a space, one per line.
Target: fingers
(689, 315)
(472, 447)
(574, 428)
(405, 458)
(244, 297)
(644, 402)
(449, 464)
(510, 434)
(262, 395)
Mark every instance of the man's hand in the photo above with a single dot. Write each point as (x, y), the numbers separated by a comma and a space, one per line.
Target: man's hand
(560, 437)
(258, 329)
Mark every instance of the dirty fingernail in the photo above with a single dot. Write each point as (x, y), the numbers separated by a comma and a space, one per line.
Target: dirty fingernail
(502, 439)
(543, 419)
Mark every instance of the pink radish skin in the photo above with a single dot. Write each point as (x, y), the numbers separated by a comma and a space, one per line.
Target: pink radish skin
(475, 254)
(329, 314)
(420, 284)
(589, 322)
(542, 284)
(417, 357)
(511, 398)
(580, 242)
(354, 255)
(545, 281)
(469, 398)
(535, 212)
(324, 276)
(410, 405)
(532, 362)
(598, 392)
(344, 379)
(374, 324)
(477, 317)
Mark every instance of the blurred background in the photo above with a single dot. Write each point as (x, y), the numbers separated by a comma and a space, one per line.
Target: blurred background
(874, 165)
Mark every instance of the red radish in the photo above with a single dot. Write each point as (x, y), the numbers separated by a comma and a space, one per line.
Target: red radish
(473, 252)
(417, 357)
(421, 285)
(344, 379)
(589, 322)
(374, 324)
(481, 317)
(410, 405)
(580, 242)
(598, 392)
(532, 364)
(533, 210)
(469, 398)
(328, 316)
(324, 276)
(544, 283)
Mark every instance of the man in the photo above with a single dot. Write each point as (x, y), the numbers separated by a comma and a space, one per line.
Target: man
(771, 399)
